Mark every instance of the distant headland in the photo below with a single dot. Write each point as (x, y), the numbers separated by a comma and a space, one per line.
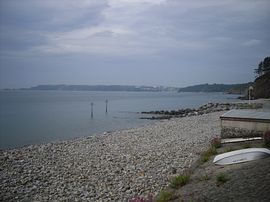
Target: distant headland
(131, 88)
(225, 88)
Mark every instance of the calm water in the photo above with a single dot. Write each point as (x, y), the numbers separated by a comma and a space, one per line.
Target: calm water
(33, 117)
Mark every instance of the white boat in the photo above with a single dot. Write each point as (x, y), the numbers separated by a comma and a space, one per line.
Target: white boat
(240, 156)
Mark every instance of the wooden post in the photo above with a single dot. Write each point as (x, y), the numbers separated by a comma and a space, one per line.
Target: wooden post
(249, 93)
(92, 104)
(106, 106)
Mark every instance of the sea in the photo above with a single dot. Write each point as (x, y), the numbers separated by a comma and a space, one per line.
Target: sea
(36, 117)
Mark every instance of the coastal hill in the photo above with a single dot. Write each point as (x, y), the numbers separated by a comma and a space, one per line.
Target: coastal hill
(262, 82)
(226, 88)
(262, 86)
(101, 88)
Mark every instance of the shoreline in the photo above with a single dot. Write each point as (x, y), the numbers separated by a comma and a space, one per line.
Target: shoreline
(20, 132)
(115, 166)
(203, 109)
(160, 116)
(112, 166)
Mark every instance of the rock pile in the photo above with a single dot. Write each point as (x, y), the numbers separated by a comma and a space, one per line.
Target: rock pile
(204, 109)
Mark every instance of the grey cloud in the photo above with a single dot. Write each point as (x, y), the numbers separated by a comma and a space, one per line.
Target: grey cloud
(141, 40)
(51, 15)
(133, 27)
(252, 42)
(24, 23)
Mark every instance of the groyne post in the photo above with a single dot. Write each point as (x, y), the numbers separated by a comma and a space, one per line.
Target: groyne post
(250, 89)
(106, 106)
(92, 114)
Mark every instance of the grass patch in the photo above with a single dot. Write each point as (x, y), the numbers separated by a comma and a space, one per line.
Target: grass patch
(229, 149)
(205, 177)
(222, 178)
(216, 142)
(165, 196)
(246, 145)
(205, 158)
(266, 139)
(179, 181)
(207, 154)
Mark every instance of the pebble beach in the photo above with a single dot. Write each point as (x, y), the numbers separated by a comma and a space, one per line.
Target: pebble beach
(107, 167)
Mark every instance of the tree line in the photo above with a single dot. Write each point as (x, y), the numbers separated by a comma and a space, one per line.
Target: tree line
(263, 67)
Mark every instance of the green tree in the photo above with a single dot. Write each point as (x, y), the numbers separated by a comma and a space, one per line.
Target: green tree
(263, 67)
(266, 65)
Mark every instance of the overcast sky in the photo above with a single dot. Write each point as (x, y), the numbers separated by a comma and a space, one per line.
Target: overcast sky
(140, 42)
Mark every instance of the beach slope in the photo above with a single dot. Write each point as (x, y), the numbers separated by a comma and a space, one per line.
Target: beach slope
(108, 167)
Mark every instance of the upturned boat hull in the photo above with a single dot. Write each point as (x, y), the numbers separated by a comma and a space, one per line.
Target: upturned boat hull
(242, 155)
